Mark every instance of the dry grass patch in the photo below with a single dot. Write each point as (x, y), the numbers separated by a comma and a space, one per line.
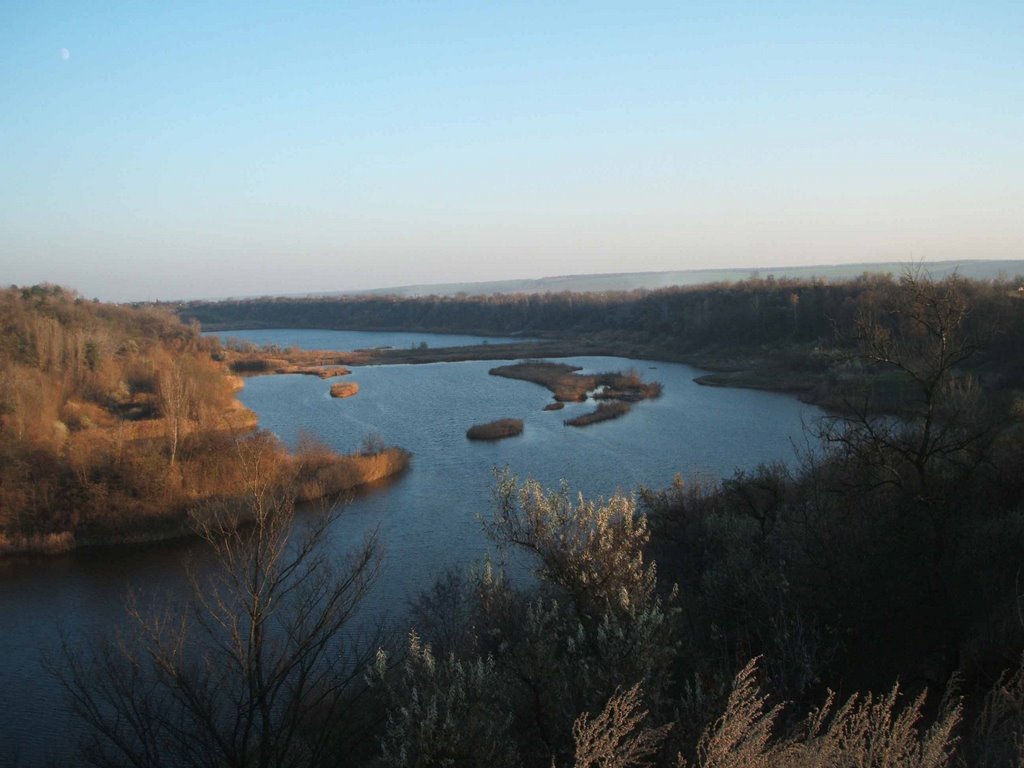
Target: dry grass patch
(344, 389)
(569, 386)
(323, 371)
(604, 412)
(560, 378)
(495, 430)
(321, 472)
(36, 544)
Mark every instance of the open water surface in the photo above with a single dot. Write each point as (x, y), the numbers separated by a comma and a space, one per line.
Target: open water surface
(427, 520)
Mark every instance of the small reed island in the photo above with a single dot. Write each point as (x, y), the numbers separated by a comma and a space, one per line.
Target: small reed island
(615, 388)
(495, 430)
(323, 371)
(603, 412)
(344, 389)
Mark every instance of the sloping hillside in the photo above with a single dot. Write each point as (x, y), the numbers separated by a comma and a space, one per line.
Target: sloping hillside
(114, 422)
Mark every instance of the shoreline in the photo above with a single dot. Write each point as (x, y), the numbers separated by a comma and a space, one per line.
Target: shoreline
(738, 369)
(312, 486)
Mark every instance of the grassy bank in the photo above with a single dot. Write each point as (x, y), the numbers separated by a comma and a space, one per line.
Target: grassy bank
(313, 474)
(322, 363)
(325, 372)
(276, 361)
(328, 474)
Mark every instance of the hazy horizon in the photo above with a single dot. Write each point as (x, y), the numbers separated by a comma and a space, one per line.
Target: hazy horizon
(977, 269)
(249, 149)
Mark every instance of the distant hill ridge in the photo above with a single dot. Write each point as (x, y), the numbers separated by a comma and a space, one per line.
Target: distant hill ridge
(628, 281)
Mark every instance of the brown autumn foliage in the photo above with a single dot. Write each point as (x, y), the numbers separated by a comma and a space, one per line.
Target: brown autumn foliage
(324, 364)
(322, 472)
(115, 421)
(324, 372)
(344, 389)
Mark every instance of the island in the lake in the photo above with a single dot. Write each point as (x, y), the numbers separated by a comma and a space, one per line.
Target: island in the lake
(495, 430)
(570, 386)
(618, 389)
(603, 412)
(344, 389)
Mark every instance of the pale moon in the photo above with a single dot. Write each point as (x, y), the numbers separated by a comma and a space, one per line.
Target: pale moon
(65, 54)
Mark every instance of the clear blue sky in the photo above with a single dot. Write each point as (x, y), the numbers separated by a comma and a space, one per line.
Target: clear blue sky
(166, 150)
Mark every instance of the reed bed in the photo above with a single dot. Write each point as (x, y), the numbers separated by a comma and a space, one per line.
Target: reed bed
(495, 430)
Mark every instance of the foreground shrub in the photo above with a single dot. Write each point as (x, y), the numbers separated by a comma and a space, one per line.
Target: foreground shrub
(445, 711)
(865, 732)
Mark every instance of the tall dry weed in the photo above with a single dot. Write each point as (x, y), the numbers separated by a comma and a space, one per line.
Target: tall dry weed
(865, 732)
(617, 738)
(996, 738)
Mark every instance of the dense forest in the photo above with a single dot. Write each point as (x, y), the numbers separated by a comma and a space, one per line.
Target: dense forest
(114, 422)
(758, 311)
(861, 609)
(799, 325)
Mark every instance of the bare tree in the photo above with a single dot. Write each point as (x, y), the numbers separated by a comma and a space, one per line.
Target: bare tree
(255, 670)
(919, 334)
(922, 456)
(177, 400)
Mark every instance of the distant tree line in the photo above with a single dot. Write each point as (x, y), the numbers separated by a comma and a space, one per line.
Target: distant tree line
(681, 320)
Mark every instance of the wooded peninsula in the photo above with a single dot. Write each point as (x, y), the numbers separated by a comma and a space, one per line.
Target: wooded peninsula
(116, 421)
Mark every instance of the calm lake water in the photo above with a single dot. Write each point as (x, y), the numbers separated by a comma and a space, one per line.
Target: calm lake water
(427, 520)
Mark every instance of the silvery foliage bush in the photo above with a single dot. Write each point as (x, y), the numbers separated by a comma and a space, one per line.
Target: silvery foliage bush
(444, 712)
(529, 660)
(598, 596)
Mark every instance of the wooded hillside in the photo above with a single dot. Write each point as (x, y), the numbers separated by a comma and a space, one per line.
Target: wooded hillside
(115, 421)
(750, 312)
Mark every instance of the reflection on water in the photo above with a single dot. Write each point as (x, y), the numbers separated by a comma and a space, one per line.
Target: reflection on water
(427, 519)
